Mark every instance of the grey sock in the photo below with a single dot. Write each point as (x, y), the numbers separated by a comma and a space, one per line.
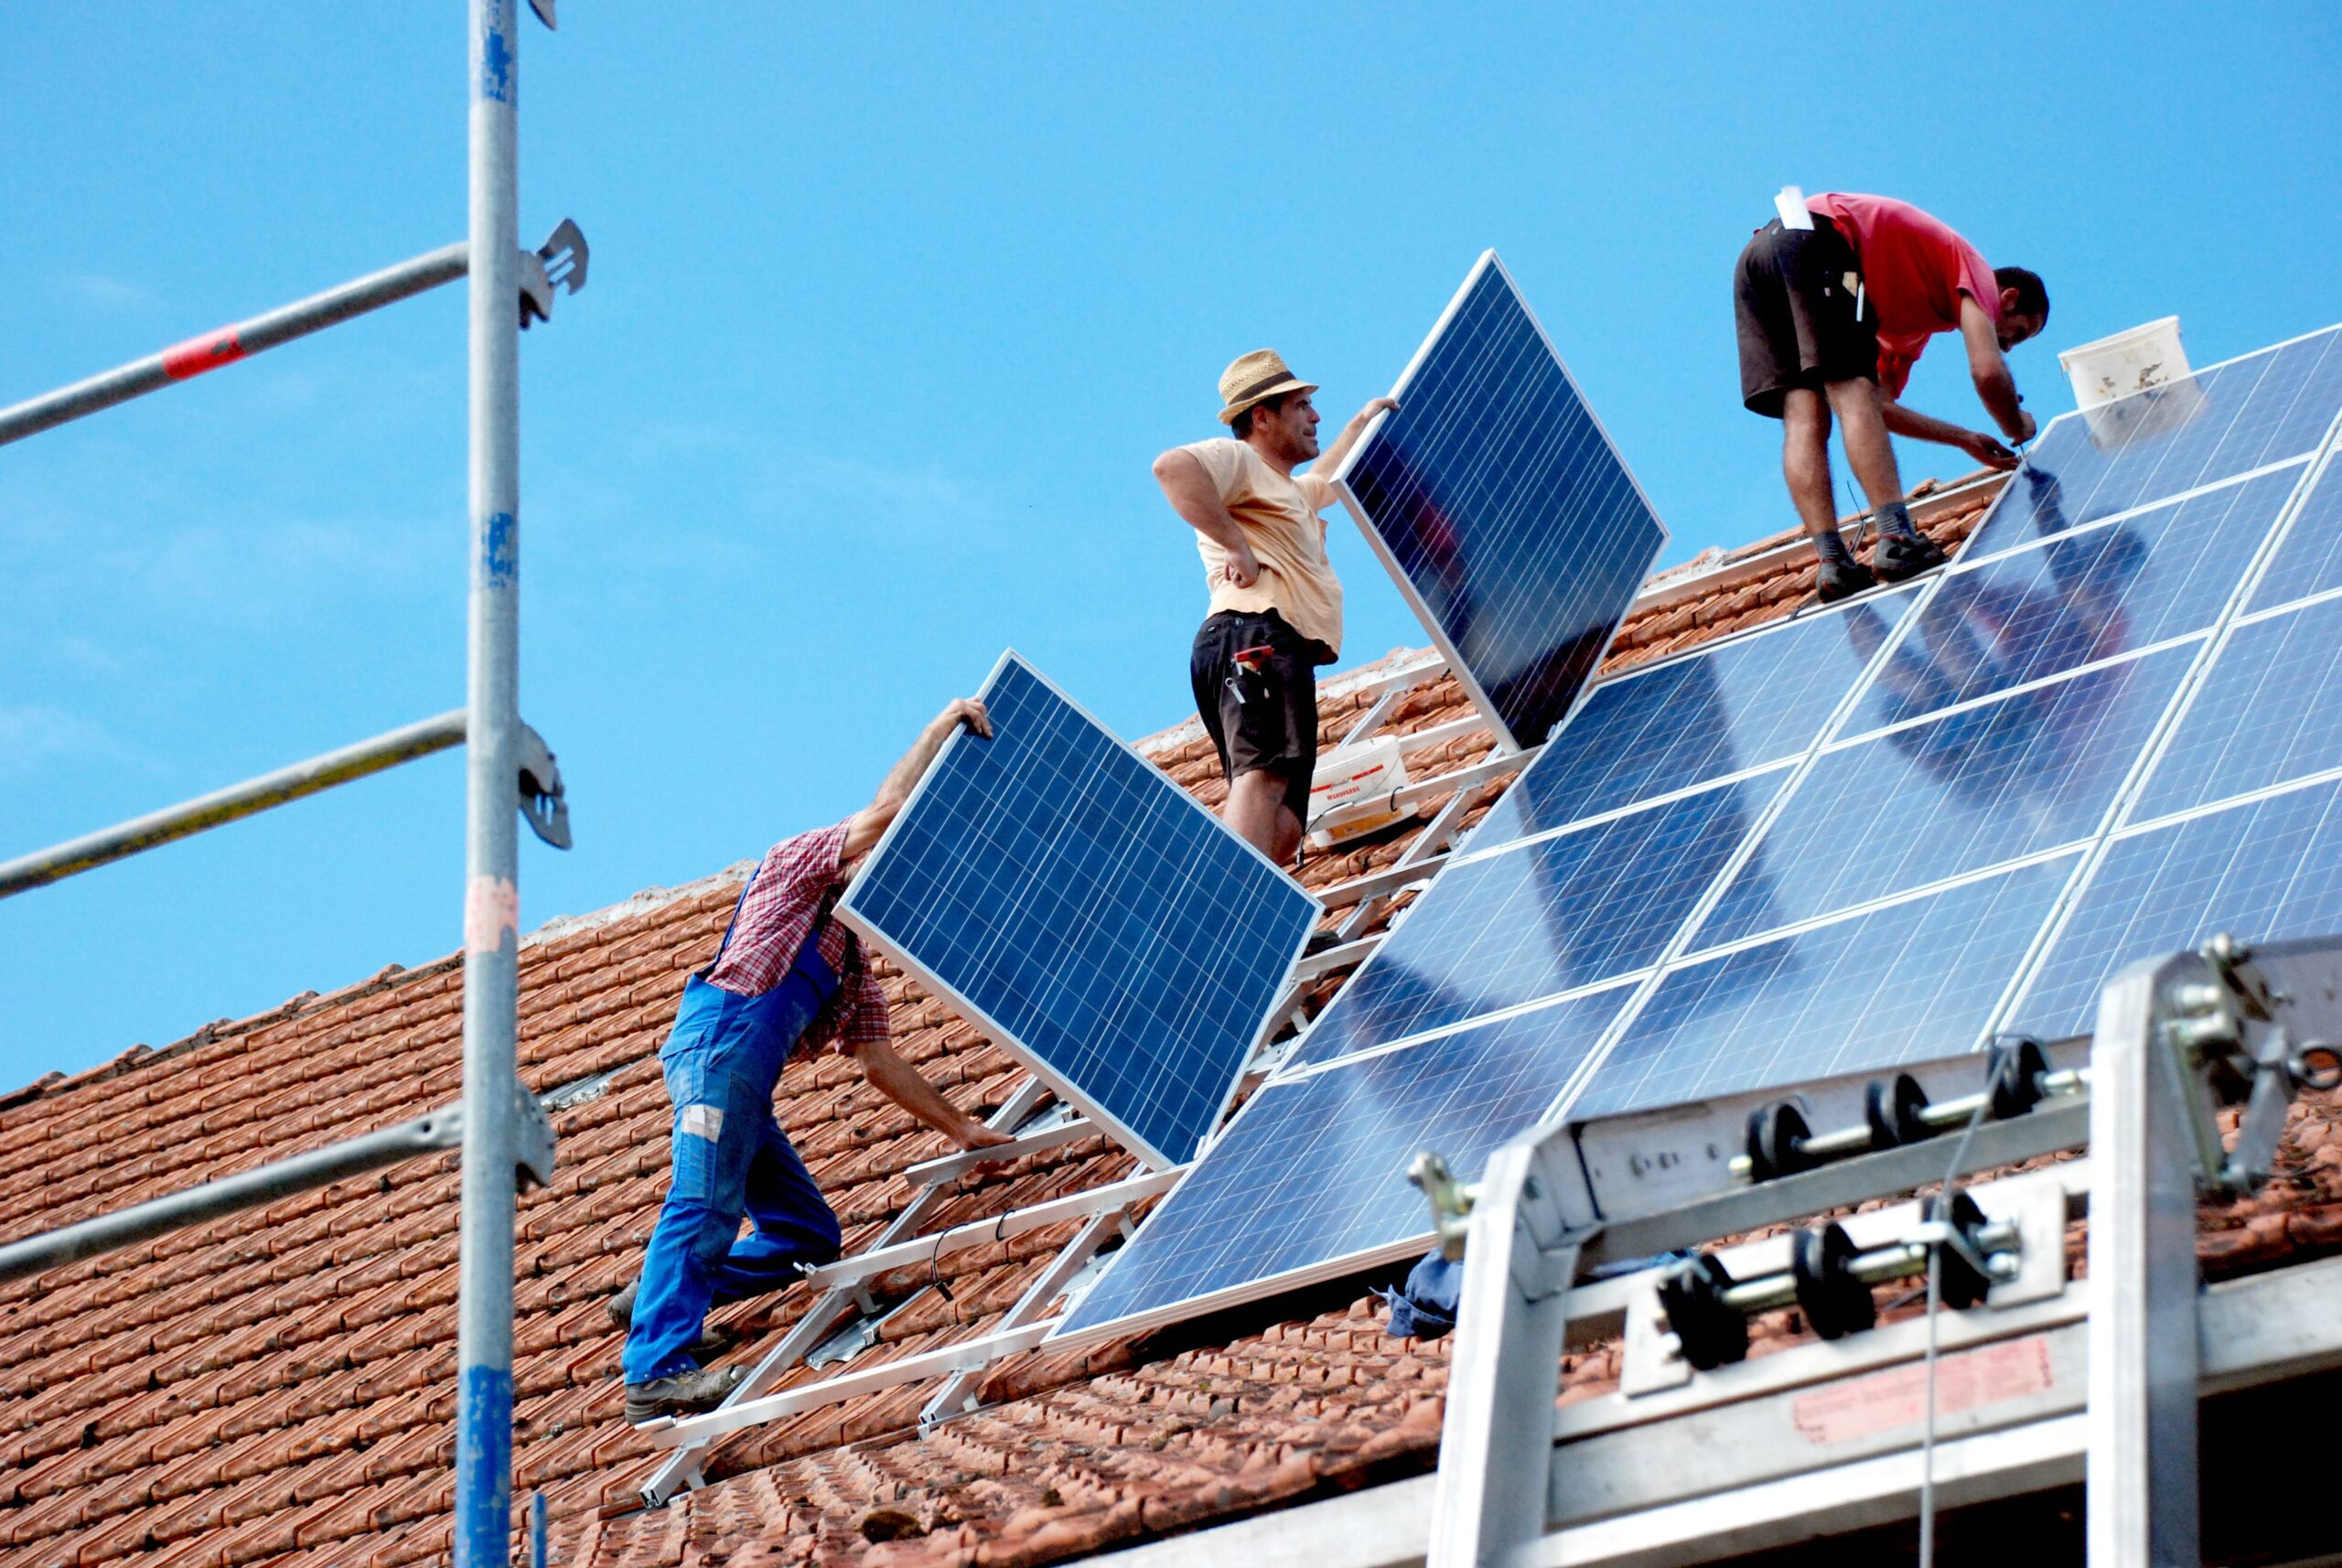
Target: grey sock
(1831, 545)
(1894, 521)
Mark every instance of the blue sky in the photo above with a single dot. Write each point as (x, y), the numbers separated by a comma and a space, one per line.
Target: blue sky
(889, 309)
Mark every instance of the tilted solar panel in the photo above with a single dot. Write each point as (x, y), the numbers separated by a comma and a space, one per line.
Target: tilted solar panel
(1502, 510)
(1088, 913)
(2310, 560)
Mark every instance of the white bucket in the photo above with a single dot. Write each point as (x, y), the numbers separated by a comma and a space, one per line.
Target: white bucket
(2128, 362)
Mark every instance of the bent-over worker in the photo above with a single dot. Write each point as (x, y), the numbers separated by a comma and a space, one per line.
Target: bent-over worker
(1832, 319)
(1276, 612)
(788, 979)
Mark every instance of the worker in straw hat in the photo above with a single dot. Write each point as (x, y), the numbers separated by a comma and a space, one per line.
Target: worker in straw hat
(1276, 612)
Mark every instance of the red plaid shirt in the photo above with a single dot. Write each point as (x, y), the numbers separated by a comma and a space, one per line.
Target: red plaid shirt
(793, 891)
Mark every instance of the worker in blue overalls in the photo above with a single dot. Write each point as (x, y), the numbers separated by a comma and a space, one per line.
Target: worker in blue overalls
(788, 979)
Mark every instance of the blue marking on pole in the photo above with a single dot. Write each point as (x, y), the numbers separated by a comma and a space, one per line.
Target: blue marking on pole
(496, 56)
(484, 1467)
(539, 1544)
(499, 558)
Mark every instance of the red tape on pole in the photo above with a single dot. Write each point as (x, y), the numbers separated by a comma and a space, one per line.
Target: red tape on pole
(197, 355)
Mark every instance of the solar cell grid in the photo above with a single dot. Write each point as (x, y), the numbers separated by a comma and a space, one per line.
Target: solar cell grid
(2261, 409)
(2090, 594)
(2005, 780)
(1539, 919)
(2264, 870)
(1312, 1172)
(2270, 711)
(1746, 702)
(1502, 510)
(1083, 910)
(2309, 560)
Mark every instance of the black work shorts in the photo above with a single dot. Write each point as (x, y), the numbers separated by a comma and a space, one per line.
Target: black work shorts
(1265, 720)
(1793, 297)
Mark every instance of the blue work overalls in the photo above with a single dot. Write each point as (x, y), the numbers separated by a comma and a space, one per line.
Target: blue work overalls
(721, 1064)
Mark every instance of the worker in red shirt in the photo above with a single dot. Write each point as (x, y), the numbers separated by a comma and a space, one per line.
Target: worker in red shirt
(1832, 318)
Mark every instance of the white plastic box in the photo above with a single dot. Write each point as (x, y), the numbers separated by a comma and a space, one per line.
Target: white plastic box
(1350, 791)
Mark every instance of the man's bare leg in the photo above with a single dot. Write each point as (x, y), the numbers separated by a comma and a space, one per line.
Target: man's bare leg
(1256, 813)
(1870, 450)
(1805, 461)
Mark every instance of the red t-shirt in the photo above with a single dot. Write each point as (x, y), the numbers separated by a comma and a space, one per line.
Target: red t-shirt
(1916, 269)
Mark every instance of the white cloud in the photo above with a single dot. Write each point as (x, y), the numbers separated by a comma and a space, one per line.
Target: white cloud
(32, 734)
(103, 293)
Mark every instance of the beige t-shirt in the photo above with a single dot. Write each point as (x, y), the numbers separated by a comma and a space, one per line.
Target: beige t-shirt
(1279, 517)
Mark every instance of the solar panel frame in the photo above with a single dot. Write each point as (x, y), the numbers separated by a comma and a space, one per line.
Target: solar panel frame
(1032, 1058)
(1441, 639)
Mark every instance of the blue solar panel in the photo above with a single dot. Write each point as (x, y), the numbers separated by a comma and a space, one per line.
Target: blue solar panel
(1502, 510)
(2270, 711)
(1539, 919)
(2263, 871)
(2092, 595)
(1748, 702)
(1310, 1177)
(2005, 780)
(2264, 408)
(2309, 561)
(1891, 986)
(1088, 913)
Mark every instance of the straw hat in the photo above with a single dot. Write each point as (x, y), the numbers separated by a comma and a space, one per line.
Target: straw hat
(1255, 378)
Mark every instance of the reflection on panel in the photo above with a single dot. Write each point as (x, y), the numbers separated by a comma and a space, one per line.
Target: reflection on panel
(2270, 711)
(2264, 871)
(1541, 919)
(2095, 594)
(2236, 418)
(2310, 559)
(1506, 510)
(1916, 980)
(1315, 1171)
(2009, 778)
(1749, 701)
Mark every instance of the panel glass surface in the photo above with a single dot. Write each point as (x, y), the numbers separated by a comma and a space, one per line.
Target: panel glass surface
(1879, 988)
(2263, 871)
(2091, 596)
(2236, 418)
(2309, 561)
(1953, 794)
(1315, 1171)
(1748, 702)
(1512, 517)
(2270, 711)
(1078, 905)
(1539, 919)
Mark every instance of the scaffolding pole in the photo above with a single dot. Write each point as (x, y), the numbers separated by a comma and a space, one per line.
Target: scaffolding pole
(491, 897)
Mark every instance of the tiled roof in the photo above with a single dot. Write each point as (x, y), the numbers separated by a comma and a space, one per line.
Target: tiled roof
(278, 1388)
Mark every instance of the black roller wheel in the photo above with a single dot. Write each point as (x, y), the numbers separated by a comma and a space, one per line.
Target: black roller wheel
(1710, 1331)
(1892, 1110)
(1963, 1284)
(1777, 1137)
(1834, 1303)
(2017, 1071)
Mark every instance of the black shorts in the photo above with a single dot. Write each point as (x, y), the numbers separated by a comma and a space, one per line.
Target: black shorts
(1265, 720)
(1793, 297)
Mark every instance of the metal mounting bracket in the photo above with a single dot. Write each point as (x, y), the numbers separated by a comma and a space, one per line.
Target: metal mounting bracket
(542, 799)
(559, 263)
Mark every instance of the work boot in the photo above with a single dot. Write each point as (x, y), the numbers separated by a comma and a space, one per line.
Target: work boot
(693, 1392)
(620, 1307)
(1837, 579)
(1896, 559)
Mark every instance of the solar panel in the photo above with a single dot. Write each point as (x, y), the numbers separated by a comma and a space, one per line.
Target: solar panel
(1738, 705)
(1502, 510)
(1310, 1180)
(2264, 408)
(1088, 913)
(1869, 991)
(2270, 711)
(2310, 560)
(1536, 919)
(2264, 870)
(1975, 787)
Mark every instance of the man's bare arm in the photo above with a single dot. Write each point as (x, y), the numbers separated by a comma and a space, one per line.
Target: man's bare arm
(1988, 369)
(1330, 462)
(1196, 498)
(1978, 445)
(899, 1081)
(866, 826)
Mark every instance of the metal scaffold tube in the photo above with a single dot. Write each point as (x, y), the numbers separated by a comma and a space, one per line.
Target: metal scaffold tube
(226, 345)
(491, 898)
